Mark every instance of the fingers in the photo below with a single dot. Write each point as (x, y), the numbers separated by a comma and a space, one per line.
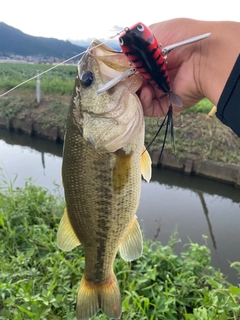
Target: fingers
(152, 105)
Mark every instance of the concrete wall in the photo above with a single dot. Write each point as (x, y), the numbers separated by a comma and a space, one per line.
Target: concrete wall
(217, 171)
(223, 172)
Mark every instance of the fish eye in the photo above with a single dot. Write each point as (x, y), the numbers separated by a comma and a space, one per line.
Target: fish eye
(86, 78)
(140, 28)
(121, 41)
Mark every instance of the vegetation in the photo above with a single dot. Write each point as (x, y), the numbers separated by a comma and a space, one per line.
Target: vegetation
(197, 137)
(58, 81)
(39, 281)
(56, 91)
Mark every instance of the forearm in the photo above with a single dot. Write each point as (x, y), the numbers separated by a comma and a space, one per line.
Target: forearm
(218, 56)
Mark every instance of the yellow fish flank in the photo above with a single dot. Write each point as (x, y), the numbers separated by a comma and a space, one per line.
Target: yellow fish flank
(103, 160)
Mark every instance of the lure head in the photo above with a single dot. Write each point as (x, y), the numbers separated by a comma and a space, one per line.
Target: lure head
(138, 32)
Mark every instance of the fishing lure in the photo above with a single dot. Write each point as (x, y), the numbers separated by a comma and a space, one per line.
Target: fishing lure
(143, 51)
(148, 57)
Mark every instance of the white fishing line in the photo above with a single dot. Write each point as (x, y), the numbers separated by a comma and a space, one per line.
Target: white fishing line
(46, 71)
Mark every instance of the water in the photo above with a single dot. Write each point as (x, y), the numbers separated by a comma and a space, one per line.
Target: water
(197, 207)
(27, 157)
(193, 205)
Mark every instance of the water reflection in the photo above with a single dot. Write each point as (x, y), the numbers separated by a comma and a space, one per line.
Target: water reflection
(197, 207)
(205, 210)
(34, 143)
(194, 205)
(27, 157)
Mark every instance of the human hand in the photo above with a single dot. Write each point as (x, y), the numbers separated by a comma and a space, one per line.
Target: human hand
(183, 66)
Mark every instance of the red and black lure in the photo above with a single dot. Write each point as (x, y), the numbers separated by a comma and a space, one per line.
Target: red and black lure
(144, 52)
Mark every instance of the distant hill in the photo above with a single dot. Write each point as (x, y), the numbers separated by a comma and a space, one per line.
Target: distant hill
(14, 41)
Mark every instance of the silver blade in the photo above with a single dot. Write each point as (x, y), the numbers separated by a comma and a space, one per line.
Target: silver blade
(169, 48)
(116, 80)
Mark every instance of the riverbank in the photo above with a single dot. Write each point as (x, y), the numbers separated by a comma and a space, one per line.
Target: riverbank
(202, 147)
(40, 281)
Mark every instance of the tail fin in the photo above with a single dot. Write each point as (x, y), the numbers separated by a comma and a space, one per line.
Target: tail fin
(92, 297)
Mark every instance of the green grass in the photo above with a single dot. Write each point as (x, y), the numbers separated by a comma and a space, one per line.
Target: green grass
(56, 90)
(57, 81)
(196, 138)
(204, 106)
(39, 281)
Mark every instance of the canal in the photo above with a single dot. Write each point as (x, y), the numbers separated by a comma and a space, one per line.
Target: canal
(194, 206)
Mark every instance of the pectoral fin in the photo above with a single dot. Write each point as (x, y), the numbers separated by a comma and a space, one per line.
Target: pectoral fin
(146, 165)
(132, 245)
(66, 237)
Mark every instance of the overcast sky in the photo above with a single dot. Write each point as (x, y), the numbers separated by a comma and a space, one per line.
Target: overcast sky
(84, 19)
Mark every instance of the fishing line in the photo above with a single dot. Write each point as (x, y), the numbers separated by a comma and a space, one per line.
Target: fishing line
(167, 122)
(57, 65)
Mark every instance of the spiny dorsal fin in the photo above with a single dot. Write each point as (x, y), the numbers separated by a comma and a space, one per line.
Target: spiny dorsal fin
(132, 245)
(66, 237)
(146, 165)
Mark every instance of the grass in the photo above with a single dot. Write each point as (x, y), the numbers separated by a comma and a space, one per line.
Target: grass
(39, 281)
(196, 137)
(57, 81)
(56, 90)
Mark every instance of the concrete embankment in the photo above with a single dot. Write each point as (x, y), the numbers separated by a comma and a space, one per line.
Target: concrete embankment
(223, 172)
(53, 133)
(227, 173)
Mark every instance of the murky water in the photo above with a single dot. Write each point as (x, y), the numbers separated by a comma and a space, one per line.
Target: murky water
(193, 205)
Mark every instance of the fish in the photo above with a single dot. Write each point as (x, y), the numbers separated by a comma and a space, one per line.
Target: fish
(103, 164)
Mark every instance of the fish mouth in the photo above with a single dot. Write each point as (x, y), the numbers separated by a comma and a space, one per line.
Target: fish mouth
(114, 59)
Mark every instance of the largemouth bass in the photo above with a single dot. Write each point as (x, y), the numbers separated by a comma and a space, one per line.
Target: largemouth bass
(103, 160)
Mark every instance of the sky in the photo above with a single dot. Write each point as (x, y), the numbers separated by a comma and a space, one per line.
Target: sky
(85, 19)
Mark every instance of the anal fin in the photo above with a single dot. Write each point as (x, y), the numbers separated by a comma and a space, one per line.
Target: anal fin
(132, 246)
(66, 237)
